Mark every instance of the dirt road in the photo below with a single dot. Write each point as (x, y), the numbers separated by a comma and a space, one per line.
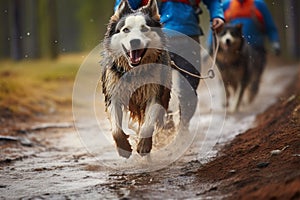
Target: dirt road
(56, 162)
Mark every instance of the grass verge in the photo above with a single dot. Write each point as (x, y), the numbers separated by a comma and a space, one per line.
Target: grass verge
(37, 87)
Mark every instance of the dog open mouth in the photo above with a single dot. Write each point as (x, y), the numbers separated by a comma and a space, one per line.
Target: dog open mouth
(134, 56)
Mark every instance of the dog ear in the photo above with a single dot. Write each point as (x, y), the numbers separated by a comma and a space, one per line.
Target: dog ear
(152, 9)
(123, 8)
(239, 26)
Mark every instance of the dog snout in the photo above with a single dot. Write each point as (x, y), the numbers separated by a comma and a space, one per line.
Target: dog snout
(228, 41)
(135, 43)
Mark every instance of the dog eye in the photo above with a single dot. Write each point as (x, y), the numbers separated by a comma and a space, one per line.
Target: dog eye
(144, 29)
(126, 30)
(222, 33)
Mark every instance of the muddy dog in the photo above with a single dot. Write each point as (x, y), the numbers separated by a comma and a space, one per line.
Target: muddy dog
(238, 65)
(136, 74)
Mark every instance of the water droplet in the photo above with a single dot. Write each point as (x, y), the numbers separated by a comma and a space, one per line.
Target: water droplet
(63, 49)
(21, 37)
(26, 56)
(5, 11)
(286, 26)
(28, 33)
(55, 41)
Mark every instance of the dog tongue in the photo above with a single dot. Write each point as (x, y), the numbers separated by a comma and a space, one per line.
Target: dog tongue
(135, 56)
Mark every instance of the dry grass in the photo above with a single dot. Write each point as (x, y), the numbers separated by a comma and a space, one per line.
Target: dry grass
(37, 87)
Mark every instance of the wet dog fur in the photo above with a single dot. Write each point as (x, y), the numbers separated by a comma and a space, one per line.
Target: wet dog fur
(135, 76)
(236, 61)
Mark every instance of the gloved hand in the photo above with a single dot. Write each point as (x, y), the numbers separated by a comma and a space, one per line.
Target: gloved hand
(276, 48)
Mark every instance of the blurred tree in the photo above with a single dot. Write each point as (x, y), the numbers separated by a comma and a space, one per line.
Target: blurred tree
(4, 33)
(48, 28)
(292, 25)
(15, 29)
(93, 17)
(38, 28)
(285, 14)
(68, 26)
(30, 30)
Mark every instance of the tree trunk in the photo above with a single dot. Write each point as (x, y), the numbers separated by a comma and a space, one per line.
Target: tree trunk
(4, 33)
(48, 29)
(15, 29)
(30, 30)
(53, 29)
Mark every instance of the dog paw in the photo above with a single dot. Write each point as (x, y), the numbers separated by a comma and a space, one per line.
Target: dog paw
(123, 146)
(144, 146)
(124, 153)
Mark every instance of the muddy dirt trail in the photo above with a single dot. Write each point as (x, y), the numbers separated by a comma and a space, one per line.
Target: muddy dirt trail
(55, 161)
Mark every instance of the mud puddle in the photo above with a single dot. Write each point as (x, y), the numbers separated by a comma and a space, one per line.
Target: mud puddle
(61, 165)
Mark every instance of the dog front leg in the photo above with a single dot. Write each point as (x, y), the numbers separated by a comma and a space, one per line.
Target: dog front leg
(154, 118)
(123, 146)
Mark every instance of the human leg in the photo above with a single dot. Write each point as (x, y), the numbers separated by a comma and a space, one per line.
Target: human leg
(185, 52)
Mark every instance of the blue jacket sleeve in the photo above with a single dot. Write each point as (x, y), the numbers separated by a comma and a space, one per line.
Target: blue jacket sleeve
(215, 8)
(270, 27)
(134, 4)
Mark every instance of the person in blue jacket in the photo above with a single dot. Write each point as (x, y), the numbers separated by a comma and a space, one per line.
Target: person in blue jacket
(182, 16)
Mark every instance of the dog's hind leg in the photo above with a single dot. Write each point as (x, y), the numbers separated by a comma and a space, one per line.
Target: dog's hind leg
(256, 67)
(116, 115)
(254, 83)
(153, 119)
(241, 90)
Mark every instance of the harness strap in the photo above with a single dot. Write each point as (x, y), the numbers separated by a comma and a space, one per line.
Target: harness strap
(210, 73)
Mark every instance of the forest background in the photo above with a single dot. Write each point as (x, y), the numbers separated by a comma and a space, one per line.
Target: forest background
(32, 29)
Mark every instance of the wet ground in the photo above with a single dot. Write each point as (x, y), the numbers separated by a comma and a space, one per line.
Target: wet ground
(57, 161)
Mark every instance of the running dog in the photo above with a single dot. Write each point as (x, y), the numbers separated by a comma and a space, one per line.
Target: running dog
(236, 61)
(136, 74)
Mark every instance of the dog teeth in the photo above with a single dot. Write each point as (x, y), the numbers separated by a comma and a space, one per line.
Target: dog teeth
(135, 56)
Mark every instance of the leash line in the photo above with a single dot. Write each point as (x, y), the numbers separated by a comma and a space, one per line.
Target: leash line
(210, 72)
